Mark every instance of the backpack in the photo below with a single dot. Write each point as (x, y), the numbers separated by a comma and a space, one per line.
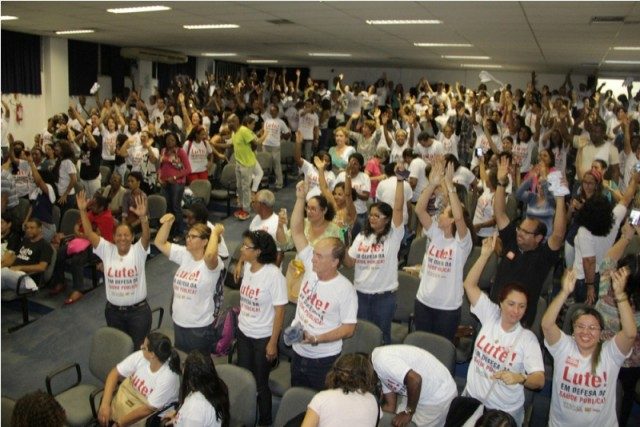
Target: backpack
(226, 328)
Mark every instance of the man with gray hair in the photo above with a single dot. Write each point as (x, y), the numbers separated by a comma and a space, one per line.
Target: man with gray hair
(265, 218)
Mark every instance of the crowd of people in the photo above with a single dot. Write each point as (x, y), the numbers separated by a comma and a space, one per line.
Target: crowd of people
(545, 179)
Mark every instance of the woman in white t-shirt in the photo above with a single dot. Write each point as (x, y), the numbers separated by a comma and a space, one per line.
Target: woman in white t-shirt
(109, 135)
(66, 176)
(506, 357)
(204, 397)
(197, 290)
(439, 298)
(310, 172)
(461, 174)
(585, 366)
(124, 272)
(151, 382)
(374, 254)
(263, 295)
(199, 152)
(349, 398)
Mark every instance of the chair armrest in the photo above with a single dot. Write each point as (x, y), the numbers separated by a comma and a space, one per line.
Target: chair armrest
(160, 316)
(411, 319)
(57, 372)
(20, 290)
(92, 401)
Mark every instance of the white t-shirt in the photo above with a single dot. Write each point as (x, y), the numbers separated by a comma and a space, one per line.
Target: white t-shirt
(522, 153)
(484, 212)
(464, 177)
(259, 293)
(67, 168)
(109, 142)
(196, 411)
(429, 153)
(587, 245)
(396, 151)
(607, 152)
(386, 192)
(313, 181)
(450, 144)
(335, 408)
(322, 307)
(159, 388)
(582, 398)
(270, 225)
(493, 351)
(483, 142)
(198, 154)
(274, 129)
(24, 179)
(393, 362)
(376, 268)
(362, 184)
(418, 170)
(629, 163)
(193, 289)
(442, 268)
(124, 276)
(306, 124)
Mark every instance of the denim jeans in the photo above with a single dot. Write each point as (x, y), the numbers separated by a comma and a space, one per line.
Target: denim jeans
(173, 193)
(74, 264)
(580, 291)
(310, 373)
(441, 322)
(188, 339)
(252, 356)
(378, 309)
(135, 322)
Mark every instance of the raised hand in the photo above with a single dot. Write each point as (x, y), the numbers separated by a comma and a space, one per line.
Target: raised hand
(437, 172)
(299, 137)
(319, 163)
(569, 281)
(301, 190)
(619, 280)
(81, 200)
(167, 218)
(448, 176)
(140, 208)
(503, 169)
(489, 245)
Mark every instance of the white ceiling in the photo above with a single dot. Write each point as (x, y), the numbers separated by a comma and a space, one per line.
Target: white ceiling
(520, 36)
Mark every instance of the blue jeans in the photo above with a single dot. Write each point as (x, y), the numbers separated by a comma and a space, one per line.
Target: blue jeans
(359, 224)
(378, 309)
(173, 193)
(441, 322)
(135, 321)
(580, 291)
(188, 339)
(252, 355)
(310, 372)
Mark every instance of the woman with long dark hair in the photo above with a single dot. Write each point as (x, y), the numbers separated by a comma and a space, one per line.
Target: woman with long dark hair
(66, 176)
(174, 169)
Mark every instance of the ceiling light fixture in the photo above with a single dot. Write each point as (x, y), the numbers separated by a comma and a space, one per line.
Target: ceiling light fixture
(65, 32)
(626, 48)
(8, 18)
(481, 66)
(139, 9)
(443, 44)
(621, 62)
(210, 26)
(465, 57)
(402, 21)
(219, 54)
(329, 54)
(262, 61)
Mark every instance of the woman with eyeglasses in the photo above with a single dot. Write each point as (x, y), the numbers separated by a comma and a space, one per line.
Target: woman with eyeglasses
(263, 295)
(585, 366)
(197, 291)
(151, 382)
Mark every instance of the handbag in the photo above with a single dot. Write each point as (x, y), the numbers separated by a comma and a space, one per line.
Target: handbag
(77, 245)
(126, 400)
(295, 273)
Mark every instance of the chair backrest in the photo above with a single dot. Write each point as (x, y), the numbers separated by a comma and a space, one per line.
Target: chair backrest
(231, 298)
(20, 211)
(440, 347)
(105, 175)
(242, 393)
(366, 337)
(69, 220)
(511, 208)
(541, 308)
(566, 323)
(286, 259)
(7, 411)
(294, 401)
(201, 188)
(157, 206)
(228, 176)
(55, 215)
(109, 347)
(265, 160)
(287, 150)
(417, 251)
(489, 272)
(405, 296)
(289, 314)
(348, 272)
(46, 276)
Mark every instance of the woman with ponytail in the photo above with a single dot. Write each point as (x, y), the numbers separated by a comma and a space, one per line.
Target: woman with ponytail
(151, 382)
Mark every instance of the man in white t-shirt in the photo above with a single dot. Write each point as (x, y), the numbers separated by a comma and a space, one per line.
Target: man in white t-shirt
(415, 384)
(265, 218)
(417, 172)
(387, 190)
(309, 126)
(428, 147)
(523, 149)
(276, 129)
(327, 304)
(594, 146)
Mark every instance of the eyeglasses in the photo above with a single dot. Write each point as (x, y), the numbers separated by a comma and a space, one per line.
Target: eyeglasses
(144, 347)
(244, 245)
(376, 215)
(522, 230)
(312, 208)
(194, 236)
(590, 328)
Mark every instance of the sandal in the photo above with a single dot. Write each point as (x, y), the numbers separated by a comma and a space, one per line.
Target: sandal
(73, 298)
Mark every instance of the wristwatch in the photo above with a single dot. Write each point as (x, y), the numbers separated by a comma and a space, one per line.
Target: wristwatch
(408, 411)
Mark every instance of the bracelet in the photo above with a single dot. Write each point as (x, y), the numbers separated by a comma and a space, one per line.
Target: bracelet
(500, 184)
(622, 298)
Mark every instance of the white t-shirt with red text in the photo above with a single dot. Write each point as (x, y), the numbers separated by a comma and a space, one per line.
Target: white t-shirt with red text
(259, 293)
(313, 181)
(124, 276)
(193, 288)
(429, 153)
(494, 351)
(270, 225)
(322, 307)
(442, 269)
(362, 184)
(581, 397)
(376, 268)
(159, 388)
(196, 411)
(198, 153)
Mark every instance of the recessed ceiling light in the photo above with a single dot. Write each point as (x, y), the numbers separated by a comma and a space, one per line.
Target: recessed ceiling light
(622, 62)
(64, 32)
(402, 21)
(465, 57)
(262, 61)
(329, 54)
(139, 9)
(626, 48)
(210, 26)
(443, 44)
(480, 66)
(8, 18)
(219, 54)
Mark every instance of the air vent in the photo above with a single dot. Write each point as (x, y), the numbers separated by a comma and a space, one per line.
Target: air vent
(280, 21)
(631, 22)
(606, 19)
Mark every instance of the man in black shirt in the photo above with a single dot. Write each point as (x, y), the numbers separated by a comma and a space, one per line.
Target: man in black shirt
(90, 159)
(33, 256)
(526, 258)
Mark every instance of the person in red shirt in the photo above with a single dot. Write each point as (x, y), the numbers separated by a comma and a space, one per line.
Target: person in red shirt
(75, 253)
